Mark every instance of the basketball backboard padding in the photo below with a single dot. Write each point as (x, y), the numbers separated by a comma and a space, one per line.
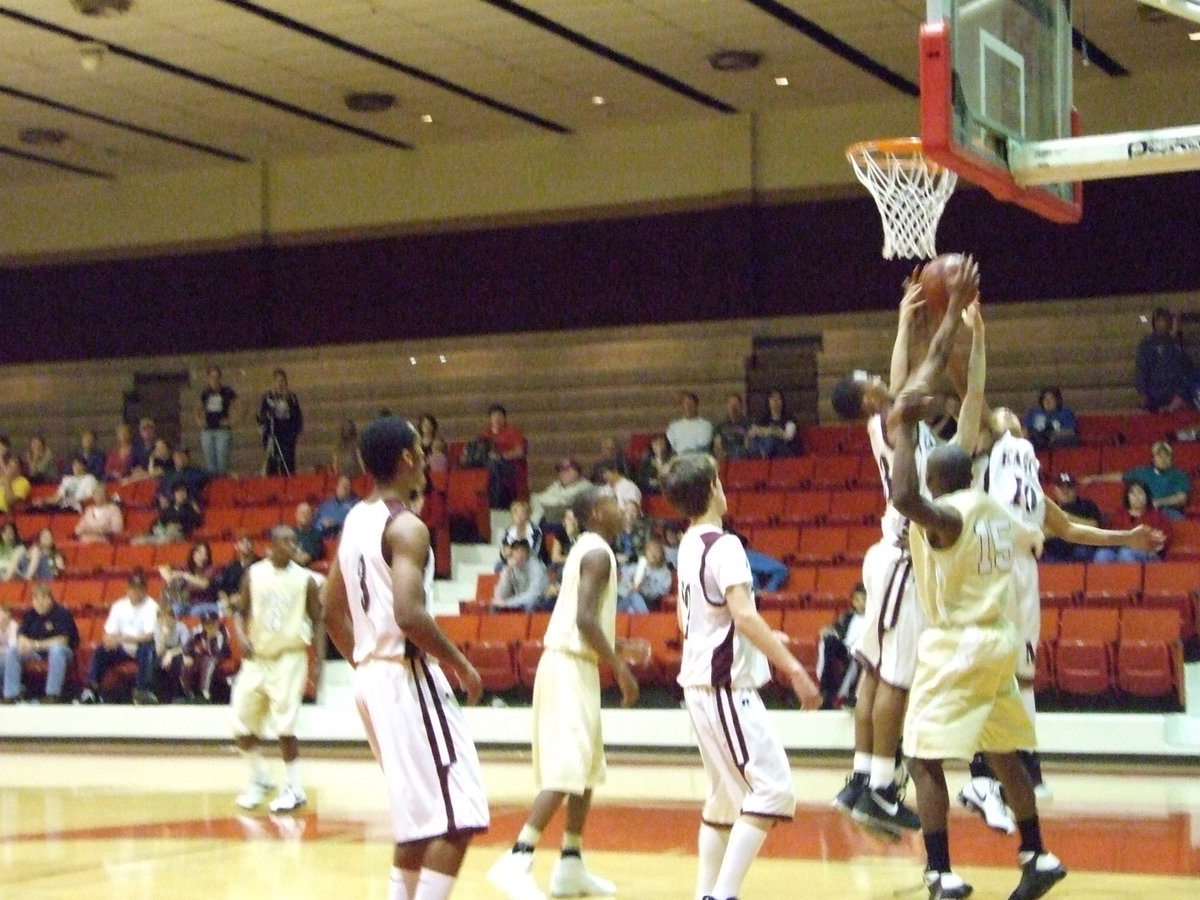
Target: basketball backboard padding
(1120, 155)
(961, 132)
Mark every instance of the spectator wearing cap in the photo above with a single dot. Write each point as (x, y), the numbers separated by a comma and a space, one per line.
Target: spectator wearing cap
(523, 580)
(1081, 510)
(128, 635)
(1167, 486)
(521, 529)
(548, 506)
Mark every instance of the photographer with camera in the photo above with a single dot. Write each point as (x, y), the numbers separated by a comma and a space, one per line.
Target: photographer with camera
(280, 421)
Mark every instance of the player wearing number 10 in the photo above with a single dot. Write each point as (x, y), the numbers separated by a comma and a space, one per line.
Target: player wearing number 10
(377, 618)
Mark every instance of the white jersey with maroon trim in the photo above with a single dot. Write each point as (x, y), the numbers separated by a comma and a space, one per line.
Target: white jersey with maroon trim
(714, 652)
(895, 526)
(1010, 475)
(367, 572)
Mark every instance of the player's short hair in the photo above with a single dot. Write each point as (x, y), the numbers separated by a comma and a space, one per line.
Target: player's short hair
(283, 533)
(688, 482)
(583, 504)
(381, 444)
(847, 396)
(950, 466)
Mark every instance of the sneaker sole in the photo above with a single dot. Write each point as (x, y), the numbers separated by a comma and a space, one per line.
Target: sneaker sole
(877, 829)
(974, 807)
(1046, 888)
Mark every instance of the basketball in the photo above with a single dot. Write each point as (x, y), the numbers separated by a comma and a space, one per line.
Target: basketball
(933, 284)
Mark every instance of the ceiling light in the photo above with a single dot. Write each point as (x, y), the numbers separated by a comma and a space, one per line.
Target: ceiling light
(101, 7)
(735, 60)
(597, 100)
(1185, 9)
(781, 80)
(1194, 36)
(91, 56)
(369, 101)
(427, 118)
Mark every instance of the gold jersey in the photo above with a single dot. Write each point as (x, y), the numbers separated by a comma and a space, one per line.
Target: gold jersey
(278, 608)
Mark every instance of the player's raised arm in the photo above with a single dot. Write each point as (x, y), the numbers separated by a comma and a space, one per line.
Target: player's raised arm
(594, 570)
(962, 284)
(1060, 525)
(971, 413)
(909, 304)
(408, 540)
(943, 523)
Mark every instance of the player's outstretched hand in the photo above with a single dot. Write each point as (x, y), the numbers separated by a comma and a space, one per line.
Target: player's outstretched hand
(804, 688)
(470, 682)
(912, 300)
(628, 685)
(1147, 539)
(973, 316)
(962, 284)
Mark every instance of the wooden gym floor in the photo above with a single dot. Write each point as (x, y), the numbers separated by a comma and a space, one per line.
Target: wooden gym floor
(133, 823)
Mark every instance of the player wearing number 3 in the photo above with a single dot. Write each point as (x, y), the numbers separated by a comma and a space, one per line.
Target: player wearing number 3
(377, 618)
(274, 614)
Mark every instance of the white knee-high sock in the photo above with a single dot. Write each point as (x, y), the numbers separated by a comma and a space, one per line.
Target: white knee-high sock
(711, 845)
(403, 884)
(745, 840)
(434, 886)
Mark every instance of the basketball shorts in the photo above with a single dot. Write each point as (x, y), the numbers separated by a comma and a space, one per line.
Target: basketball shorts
(748, 771)
(266, 694)
(894, 620)
(964, 697)
(1026, 612)
(568, 749)
(419, 736)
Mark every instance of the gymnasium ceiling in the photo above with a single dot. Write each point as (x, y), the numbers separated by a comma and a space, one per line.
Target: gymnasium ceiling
(182, 83)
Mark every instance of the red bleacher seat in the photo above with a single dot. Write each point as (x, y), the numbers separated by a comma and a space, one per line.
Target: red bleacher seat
(313, 487)
(1174, 586)
(258, 520)
(790, 472)
(804, 507)
(220, 492)
(868, 473)
(88, 558)
(835, 472)
(529, 650)
(661, 631)
(860, 539)
(778, 543)
(1060, 584)
(174, 554)
(1185, 540)
(760, 507)
(833, 587)
(1101, 429)
(1043, 674)
(461, 629)
(262, 490)
(78, 593)
(1148, 428)
(745, 474)
(1150, 654)
(492, 653)
(821, 546)
(467, 505)
(858, 507)
(825, 440)
(14, 594)
(1112, 584)
(220, 523)
(1083, 658)
(1079, 461)
(803, 628)
(1124, 457)
(128, 557)
(138, 522)
(1109, 496)
(656, 506)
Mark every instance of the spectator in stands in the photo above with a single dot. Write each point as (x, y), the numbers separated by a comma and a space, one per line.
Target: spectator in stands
(428, 427)
(332, 511)
(561, 542)
(229, 579)
(344, 458)
(12, 551)
(621, 487)
(643, 584)
(1081, 510)
(437, 460)
(775, 433)
(612, 455)
(214, 415)
(102, 521)
(506, 458)
(1168, 486)
(14, 487)
(1050, 423)
(635, 532)
(1137, 511)
(310, 544)
(523, 580)
(74, 490)
(521, 529)
(8, 630)
(549, 507)
(691, 433)
(91, 453)
(652, 466)
(40, 464)
(729, 442)
(769, 574)
(280, 422)
(118, 465)
(837, 667)
(1164, 372)
(171, 639)
(207, 648)
(177, 519)
(193, 477)
(128, 635)
(47, 632)
(190, 591)
(44, 562)
(143, 445)
(162, 460)
(672, 534)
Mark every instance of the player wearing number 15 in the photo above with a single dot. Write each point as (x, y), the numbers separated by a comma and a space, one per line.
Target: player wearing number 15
(964, 696)
(275, 611)
(377, 618)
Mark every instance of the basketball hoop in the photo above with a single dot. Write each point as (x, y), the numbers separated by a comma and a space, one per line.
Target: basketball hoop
(910, 191)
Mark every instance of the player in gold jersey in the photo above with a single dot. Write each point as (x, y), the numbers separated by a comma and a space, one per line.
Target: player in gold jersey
(964, 696)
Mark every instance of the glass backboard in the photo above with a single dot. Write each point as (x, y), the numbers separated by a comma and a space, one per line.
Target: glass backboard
(995, 73)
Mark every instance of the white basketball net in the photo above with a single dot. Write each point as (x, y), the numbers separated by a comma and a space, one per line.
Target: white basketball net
(911, 193)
